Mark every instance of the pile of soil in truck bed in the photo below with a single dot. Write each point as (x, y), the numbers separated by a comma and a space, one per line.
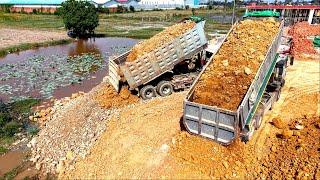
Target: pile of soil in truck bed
(160, 39)
(227, 79)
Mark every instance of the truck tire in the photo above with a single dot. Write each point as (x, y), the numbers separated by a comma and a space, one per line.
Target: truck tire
(164, 88)
(291, 60)
(283, 82)
(147, 92)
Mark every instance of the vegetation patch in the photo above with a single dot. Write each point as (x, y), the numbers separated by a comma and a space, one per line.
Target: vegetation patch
(13, 117)
(27, 46)
(41, 75)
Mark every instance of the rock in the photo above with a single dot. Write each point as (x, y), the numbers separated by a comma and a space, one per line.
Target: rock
(173, 140)
(247, 71)
(225, 63)
(33, 142)
(38, 166)
(225, 164)
(164, 148)
(286, 134)
(298, 126)
(279, 123)
(60, 167)
(31, 118)
(69, 155)
(296, 133)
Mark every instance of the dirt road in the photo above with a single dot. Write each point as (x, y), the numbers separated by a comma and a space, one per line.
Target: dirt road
(145, 141)
(13, 37)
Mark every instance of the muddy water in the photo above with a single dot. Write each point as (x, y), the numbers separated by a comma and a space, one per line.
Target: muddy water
(10, 161)
(103, 46)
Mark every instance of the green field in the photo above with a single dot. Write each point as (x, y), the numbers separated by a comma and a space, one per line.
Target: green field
(139, 25)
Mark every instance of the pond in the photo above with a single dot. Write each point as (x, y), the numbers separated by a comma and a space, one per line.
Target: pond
(58, 71)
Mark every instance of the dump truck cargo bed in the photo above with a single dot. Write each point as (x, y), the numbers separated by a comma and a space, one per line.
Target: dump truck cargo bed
(159, 61)
(221, 124)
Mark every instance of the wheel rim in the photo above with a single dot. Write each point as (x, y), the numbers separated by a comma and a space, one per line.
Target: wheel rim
(166, 90)
(149, 93)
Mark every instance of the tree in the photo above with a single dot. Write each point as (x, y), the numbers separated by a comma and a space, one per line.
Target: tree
(131, 8)
(80, 17)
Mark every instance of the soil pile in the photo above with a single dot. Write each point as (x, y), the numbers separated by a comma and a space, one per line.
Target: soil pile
(108, 97)
(295, 156)
(227, 78)
(71, 128)
(134, 144)
(300, 33)
(159, 39)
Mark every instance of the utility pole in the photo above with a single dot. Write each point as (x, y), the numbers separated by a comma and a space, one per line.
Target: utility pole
(233, 11)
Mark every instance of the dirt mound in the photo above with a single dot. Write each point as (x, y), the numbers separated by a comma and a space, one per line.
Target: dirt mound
(159, 39)
(107, 97)
(227, 78)
(134, 145)
(209, 158)
(296, 156)
(300, 33)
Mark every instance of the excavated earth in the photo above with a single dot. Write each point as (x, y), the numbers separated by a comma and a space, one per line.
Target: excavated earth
(166, 36)
(228, 77)
(73, 125)
(146, 140)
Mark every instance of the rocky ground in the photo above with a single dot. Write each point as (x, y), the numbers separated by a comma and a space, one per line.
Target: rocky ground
(12, 37)
(71, 127)
(145, 140)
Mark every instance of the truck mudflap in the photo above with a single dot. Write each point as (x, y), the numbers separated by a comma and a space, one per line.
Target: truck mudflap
(215, 124)
(113, 74)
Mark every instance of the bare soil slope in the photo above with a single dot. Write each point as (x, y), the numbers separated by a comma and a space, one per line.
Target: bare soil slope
(144, 141)
(12, 37)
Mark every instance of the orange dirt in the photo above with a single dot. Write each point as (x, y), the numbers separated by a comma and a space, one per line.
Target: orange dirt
(159, 39)
(227, 79)
(107, 97)
(296, 156)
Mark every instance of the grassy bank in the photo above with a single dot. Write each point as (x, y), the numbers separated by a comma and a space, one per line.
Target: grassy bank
(138, 25)
(27, 46)
(12, 118)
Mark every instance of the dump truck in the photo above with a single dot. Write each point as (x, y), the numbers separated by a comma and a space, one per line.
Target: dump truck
(224, 125)
(172, 66)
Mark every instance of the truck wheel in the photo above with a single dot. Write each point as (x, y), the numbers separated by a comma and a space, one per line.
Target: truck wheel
(291, 60)
(147, 92)
(283, 82)
(259, 121)
(164, 88)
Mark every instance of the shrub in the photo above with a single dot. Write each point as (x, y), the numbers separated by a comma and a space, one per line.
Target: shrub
(210, 7)
(121, 9)
(193, 10)
(131, 8)
(10, 129)
(187, 7)
(80, 17)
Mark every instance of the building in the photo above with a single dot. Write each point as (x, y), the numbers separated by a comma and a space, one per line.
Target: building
(27, 6)
(50, 6)
(292, 13)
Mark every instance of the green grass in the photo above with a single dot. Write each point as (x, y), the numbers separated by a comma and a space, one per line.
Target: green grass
(11, 118)
(11, 174)
(26, 46)
(47, 22)
(140, 25)
(3, 150)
